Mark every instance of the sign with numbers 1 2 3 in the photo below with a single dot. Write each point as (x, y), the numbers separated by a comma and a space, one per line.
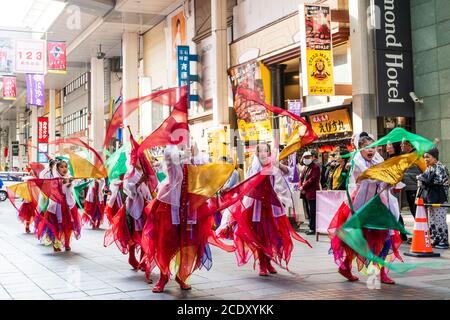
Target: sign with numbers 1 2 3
(30, 56)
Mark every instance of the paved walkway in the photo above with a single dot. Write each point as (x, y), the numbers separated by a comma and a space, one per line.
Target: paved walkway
(29, 270)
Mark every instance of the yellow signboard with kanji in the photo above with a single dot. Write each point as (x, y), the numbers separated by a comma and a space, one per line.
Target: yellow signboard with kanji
(331, 122)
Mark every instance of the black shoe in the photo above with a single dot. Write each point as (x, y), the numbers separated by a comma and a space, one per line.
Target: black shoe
(310, 232)
(441, 246)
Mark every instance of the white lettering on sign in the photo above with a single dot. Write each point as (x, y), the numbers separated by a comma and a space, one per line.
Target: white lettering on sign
(393, 63)
(390, 28)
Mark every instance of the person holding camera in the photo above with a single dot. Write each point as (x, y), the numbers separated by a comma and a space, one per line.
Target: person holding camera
(434, 184)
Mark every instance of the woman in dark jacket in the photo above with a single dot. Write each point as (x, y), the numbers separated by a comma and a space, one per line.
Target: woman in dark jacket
(434, 186)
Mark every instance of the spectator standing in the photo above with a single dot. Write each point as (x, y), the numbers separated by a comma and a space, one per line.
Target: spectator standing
(434, 184)
(338, 177)
(309, 184)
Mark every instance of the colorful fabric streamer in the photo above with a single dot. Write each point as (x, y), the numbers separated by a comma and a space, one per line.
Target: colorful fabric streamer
(168, 97)
(392, 170)
(303, 133)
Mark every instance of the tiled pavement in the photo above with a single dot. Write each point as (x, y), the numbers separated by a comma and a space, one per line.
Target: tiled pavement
(29, 270)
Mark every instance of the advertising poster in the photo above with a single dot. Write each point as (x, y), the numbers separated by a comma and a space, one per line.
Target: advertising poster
(6, 56)
(179, 38)
(317, 48)
(254, 121)
(331, 122)
(43, 136)
(56, 57)
(30, 56)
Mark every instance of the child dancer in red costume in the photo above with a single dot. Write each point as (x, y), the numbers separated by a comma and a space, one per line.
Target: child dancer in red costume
(27, 210)
(126, 229)
(94, 208)
(115, 201)
(61, 220)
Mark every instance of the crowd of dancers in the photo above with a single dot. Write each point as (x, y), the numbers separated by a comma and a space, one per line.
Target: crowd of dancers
(159, 225)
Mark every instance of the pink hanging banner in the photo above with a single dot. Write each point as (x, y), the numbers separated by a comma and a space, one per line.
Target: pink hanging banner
(56, 55)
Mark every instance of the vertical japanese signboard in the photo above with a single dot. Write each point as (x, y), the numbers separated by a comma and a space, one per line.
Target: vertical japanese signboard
(317, 50)
(185, 77)
(30, 56)
(9, 88)
(15, 148)
(56, 53)
(35, 89)
(183, 65)
(42, 139)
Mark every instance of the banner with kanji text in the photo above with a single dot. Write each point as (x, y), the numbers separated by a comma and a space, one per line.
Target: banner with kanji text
(56, 54)
(35, 89)
(9, 88)
(331, 122)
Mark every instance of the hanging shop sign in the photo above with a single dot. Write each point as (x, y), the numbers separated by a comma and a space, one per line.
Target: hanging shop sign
(43, 130)
(30, 56)
(184, 59)
(331, 122)
(9, 88)
(286, 124)
(35, 89)
(15, 148)
(56, 56)
(317, 50)
(394, 68)
(6, 56)
(43, 136)
(254, 120)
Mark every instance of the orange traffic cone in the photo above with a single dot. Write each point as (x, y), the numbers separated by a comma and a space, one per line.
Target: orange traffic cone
(421, 243)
